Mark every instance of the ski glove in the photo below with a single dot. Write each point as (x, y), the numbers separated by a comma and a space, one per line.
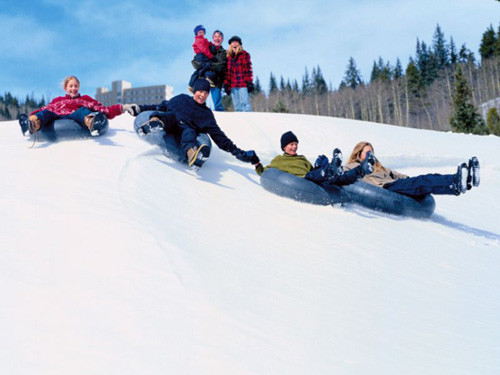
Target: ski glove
(227, 90)
(250, 87)
(133, 109)
(321, 161)
(246, 156)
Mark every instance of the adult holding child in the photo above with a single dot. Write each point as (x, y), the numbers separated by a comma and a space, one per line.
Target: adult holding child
(239, 76)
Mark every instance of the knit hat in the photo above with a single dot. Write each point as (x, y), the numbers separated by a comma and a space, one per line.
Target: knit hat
(235, 39)
(201, 84)
(287, 138)
(198, 28)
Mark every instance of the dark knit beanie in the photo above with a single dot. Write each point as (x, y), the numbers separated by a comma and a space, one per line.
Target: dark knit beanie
(287, 138)
(201, 84)
(235, 39)
(198, 28)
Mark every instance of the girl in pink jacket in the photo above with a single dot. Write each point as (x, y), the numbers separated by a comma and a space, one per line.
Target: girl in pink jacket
(86, 111)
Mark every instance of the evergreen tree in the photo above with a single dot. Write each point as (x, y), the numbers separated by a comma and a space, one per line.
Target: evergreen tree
(375, 72)
(465, 55)
(398, 69)
(497, 44)
(306, 83)
(488, 43)
(493, 121)
(273, 86)
(318, 82)
(282, 84)
(414, 78)
(464, 117)
(440, 50)
(453, 52)
(295, 86)
(352, 77)
(257, 87)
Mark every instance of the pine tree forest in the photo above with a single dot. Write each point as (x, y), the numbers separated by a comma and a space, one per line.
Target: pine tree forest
(420, 96)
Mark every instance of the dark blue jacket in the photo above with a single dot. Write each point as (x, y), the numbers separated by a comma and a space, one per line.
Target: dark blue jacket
(195, 118)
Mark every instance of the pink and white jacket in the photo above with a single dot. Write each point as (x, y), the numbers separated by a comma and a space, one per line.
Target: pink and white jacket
(66, 105)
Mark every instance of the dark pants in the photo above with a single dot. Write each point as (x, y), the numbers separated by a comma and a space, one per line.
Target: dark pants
(46, 117)
(424, 184)
(347, 178)
(184, 135)
(202, 72)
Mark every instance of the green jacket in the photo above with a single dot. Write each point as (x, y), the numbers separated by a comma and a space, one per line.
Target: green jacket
(297, 165)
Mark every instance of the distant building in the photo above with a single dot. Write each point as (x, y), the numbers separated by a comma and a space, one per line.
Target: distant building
(122, 92)
(493, 103)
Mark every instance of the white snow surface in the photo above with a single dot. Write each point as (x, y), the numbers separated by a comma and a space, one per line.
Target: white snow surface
(117, 260)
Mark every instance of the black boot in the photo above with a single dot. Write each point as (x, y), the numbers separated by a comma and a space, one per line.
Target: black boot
(473, 173)
(335, 167)
(367, 165)
(460, 183)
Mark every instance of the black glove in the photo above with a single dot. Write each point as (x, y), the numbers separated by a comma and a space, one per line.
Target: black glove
(227, 90)
(246, 156)
(321, 161)
(250, 87)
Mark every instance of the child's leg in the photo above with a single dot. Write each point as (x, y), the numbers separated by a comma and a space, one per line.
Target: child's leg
(46, 117)
(194, 77)
(424, 184)
(79, 115)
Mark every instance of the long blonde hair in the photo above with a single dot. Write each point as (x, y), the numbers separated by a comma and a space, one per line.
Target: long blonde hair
(229, 52)
(69, 78)
(356, 155)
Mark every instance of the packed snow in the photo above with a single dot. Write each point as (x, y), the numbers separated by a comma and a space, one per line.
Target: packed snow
(117, 260)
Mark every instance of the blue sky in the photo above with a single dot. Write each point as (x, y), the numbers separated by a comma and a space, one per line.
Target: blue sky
(149, 42)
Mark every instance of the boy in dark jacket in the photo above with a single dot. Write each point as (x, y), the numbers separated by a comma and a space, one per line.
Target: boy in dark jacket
(186, 117)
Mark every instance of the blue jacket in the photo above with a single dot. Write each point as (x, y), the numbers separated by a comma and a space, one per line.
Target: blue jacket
(195, 118)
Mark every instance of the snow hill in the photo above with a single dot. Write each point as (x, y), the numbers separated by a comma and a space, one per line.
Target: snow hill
(116, 260)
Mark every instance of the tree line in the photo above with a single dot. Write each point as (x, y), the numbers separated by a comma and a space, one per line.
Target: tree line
(441, 88)
(11, 107)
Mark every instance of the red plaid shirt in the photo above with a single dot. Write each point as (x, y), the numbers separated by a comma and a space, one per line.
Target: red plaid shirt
(66, 105)
(239, 70)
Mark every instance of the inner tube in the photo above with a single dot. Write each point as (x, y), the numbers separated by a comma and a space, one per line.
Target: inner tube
(361, 193)
(168, 142)
(63, 129)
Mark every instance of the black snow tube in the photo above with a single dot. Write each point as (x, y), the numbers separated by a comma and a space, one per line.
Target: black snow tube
(360, 193)
(167, 142)
(64, 129)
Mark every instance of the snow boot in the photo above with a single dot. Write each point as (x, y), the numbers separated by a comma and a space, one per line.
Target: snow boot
(460, 183)
(29, 125)
(196, 156)
(473, 173)
(153, 125)
(336, 163)
(368, 164)
(95, 122)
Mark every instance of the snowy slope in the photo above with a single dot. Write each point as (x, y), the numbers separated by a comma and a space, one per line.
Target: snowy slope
(116, 260)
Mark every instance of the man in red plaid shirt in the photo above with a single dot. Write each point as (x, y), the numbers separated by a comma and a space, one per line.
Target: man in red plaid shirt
(239, 75)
